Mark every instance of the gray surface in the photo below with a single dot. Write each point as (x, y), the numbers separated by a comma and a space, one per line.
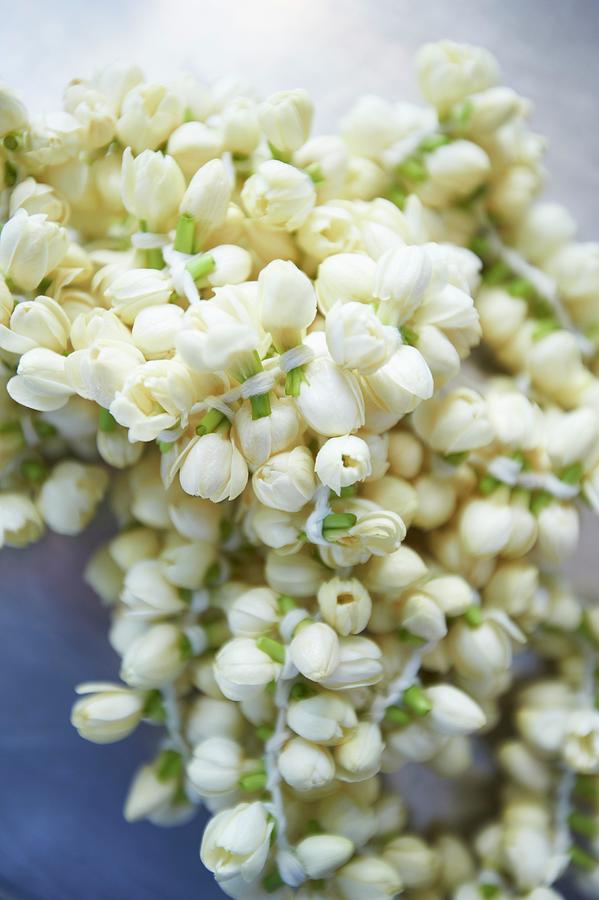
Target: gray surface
(62, 835)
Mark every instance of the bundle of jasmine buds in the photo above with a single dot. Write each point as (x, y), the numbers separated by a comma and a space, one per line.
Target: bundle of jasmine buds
(336, 567)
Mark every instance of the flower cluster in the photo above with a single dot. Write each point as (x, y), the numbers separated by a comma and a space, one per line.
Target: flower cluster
(337, 551)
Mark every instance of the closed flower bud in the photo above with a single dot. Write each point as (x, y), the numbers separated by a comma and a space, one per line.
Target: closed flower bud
(391, 574)
(286, 481)
(286, 118)
(403, 275)
(359, 665)
(481, 651)
(524, 766)
(287, 302)
(315, 651)
(70, 495)
(107, 712)
(253, 613)
(546, 228)
(328, 230)
(368, 876)
(580, 750)
(210, 717)
(436, 502)
(149, 113)
(420, 616)
(454, 423)
(215, 767)
(405, 454)
(13, 114)
(214, 469)
(100, 371)
(148, 794)
(207, 197)
(153, 398)
(41, 382)
(325, 718)
(342, 461)
(330, 399)
(341, 814)
(240, 126)
(36, 323)
(242, 670)
(299, 575)
(400, 385)
(236, 842)
(570, 436)
(448, 72)
(416, 862)
(514, 418)
(451, 593)
(157, 657)
(345, 604)
(485, 527)
(136, 290)
(558, 531)
(36, 198)
(193, 144)
(133, 546)
(453, 711)
(155, 330)
(149, 593)
(152, 185)
(528, 853)
(278, 195)
(359, 757)
(490, 109)
(305, 766)
(20, 521)
(345, 278)
(30, 248)
(357, 339)
(322, 854)
(259, 439)
(454, 171)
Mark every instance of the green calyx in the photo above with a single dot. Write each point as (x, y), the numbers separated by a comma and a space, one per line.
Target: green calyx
(487, 484)
(281, 155)
(185, 234)
(412, 169)
(153, 707)
(106, 421)
(572, 474)
(397, 196)
(185, 648)
(165, 446)
(34, 470)
(456, 459)
(540, 500)
(201, 266)
(488, 890)
(169, 765)
(293, 381)
(272, 882)
(44, 429)
(416, 701)
(260, 404)
(301, 691)
(210, 422)
(286, 603)
(408, 335)
(253, 781)
(13, 141)
(336, 523)
(583, 824)
(315, 172)
(264, 733)
(473, 617)
(582, 859)
(433, 142)
(496, 274)
(272, 648)
(543, 328)
(395, 715)
(413, 640)
(212, 576)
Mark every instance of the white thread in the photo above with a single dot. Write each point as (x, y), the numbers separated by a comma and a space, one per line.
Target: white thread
(260, 383)
(148, 240)
(401, 150)
(296, 357)
(548, 482)
(183, 283)
(314, 522)
(504, 469)
(404, 680)
(29, 433)
(196, 636)
(173, 721)
(200, 601)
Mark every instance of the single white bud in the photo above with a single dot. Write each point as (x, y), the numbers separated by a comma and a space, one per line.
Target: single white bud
(240, 126)
(570, 436)
(215, 767)
(36, 198)
(405, 454)
(485, 527)
(287, 302)
(330, 399)
(421, 616)
(454, 170)
(345, 605)
(454, 423)
(391, 574)
(20, 521)
(153, 398)
(286, 481)
(513, 418)
(403, 275)
(328, 230)
(359, 665)
(342, 461)
(259, 439)
(489, 110)
(155, 330)
(41, 381)
(232, 265)
(36, 323)
(522, 765)
(207, 197)
(452, 594)
(322, 854)
(513, 193)
(304, 766)
(152, 185)
(448, 72)
(214, 469)
(368, 876)
(528, 854)
(148, 794)
(70, 495)
(559, 528)
(453, 711)
(136, 290)
(315, 651)
(148, 592)
(357, 339)
(480, 651)
(345, 278)
(327, 157)
(242, 670)
(342, 814)
(13, 114)
(100, 371)
(149, 113)
(580, 750)
(236, 843)
(545, 228)
(157, 657)
(299, 575)
(211, 717)
(278, 195)
(30, 248)
(132, 546)
(286, 118)
(575, 267)
(401, 384)
(253, 613)
(325, 718)
(193, 144)
(359, 757)
(416, 862)
(107, 712)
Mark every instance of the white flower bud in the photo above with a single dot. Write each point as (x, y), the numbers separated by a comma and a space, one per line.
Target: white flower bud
(436, 502)
(400, 385)
(403, 275)
(330, 399)
(242, 670)
(581, 744)
(345, 605)
(489, 110)
(278, 195)
(240, 126)
(41, 382)
(148, 591)
(315, 651)
(416, 862)
(405, 454)
(454, 423)
(259, 439)
(253, 613)
(100, 371)
(20, 521)
(148, 794)
(13, 114)
(324, 718)
(30, 248)
(513, 418)
(546, 228)
(570, 436)
(512, 194)
(149, 113)
(421, 616)
(232, 265)
(210, 717)
(70, 495)
(207, 197)
(357, 339)
(341, 814)
(327, 157)
(322, 854)
(36, 323)
(368, 876)
(156, 328)
(236, 842)
(157, 657)
(192, 145)
(343, 461)
(453, 711)
(575, 267)
(107, 713)
(558, 531)
(287, 302)
(153, 398)
(329, 230)
(454, 171)
(286, 481)
(215, 767)
(524, 767)
(133, 546)
(528, 855)
(136, 290)
(359, 665)
(485, 527)
(306, 766)
(391, 574)
(449, 72)
(359, 757)
(345, 277)
(451, 593)
(151, 187)
(286, 118)
(38, 199)
(299, 575)
(479, 652)
(214, 469)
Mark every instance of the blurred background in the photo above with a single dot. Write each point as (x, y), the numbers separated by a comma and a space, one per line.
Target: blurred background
(63, 836)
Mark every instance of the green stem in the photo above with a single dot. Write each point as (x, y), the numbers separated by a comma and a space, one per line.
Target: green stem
(106, 421)
(397, 716)
(210, 422)
(416, 701)
(272, 648)
(253, 781)
(293, 381)
(201, 266)
(185, 234)
(473, 617)
(260, 406)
